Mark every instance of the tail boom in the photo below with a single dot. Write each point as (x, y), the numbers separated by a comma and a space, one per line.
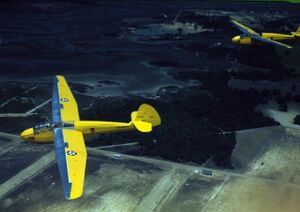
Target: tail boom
(143, 120)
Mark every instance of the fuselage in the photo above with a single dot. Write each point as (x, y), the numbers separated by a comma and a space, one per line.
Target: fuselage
(246, 40)
(44, 133)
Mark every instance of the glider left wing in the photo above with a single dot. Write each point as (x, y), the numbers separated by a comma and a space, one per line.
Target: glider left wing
(71, 159)
(244, 28)
(64, 106)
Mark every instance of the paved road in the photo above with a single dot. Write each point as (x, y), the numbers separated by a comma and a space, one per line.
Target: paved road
(8, 135)
(14, 115)
(6, 102)
(28, 113)
(9, 145)
(162, 192)
(26, 174)
(118, 145)
(37, 107)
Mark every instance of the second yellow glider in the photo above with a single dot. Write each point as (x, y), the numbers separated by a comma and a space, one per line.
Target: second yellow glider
(250, 37)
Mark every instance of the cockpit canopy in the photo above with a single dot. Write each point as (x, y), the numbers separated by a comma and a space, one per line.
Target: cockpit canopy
(42, 128)
(49, 127)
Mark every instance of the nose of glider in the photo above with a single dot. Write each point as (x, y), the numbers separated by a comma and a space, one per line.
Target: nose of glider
(26, 134)
(236, 39)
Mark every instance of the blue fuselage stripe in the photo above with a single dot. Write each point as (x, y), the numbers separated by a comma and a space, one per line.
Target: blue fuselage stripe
(62, 160)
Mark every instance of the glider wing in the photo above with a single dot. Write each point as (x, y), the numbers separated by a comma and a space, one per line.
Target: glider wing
(273, 42)
(244, 28)
(64, 106)
(71, 160)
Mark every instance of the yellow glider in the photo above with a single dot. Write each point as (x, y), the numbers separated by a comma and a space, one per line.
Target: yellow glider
(67, 131)
(250, 37)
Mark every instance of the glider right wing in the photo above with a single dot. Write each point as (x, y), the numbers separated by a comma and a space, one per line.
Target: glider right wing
(244, 28)
(273, 42)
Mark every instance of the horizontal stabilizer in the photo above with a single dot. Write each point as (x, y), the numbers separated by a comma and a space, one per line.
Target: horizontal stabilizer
(143, 126)
(145, 118)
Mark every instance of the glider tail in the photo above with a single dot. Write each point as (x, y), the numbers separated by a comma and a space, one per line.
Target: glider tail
(297, 33)
(145, 118)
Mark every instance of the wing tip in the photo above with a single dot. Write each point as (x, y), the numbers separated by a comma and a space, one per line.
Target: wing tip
(73, 196)
(234, 22)
(59, 77)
